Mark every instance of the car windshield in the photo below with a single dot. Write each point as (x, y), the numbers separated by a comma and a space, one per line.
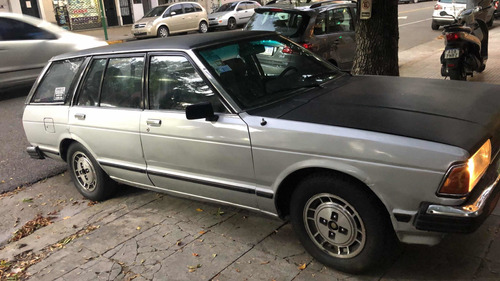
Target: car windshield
(227, 7)
(156, 12)
(288, 24)
(264, 71)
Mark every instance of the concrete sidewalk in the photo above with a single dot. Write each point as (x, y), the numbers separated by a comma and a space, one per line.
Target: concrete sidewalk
(141, 235)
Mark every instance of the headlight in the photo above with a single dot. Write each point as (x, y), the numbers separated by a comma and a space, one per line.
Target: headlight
(149, 24)
(461, 179)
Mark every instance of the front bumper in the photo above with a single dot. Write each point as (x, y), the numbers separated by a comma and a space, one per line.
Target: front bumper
(465, 218)
(143, 32)
(217, 22)
(443, 20)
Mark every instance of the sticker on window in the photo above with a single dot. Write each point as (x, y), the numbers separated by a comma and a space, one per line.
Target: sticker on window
(224, 68)
(59, 93)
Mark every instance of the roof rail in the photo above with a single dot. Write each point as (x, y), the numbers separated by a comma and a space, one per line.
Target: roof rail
(319, 4)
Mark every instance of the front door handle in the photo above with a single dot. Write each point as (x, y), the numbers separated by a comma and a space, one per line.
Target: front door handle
(153, 122)
(80, 116)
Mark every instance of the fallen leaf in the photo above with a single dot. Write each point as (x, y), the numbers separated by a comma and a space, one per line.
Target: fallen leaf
(65, 218)
(237, 270)
(178, 243)
(302, 266)
(195, 254)
(265, 262)
(202, 232)
(28, 200)
(214, 255)
(199, 210)
(138, 228)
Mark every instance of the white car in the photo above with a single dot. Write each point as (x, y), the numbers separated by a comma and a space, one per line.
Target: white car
(232, 14)
(453, 8)
(27, 43)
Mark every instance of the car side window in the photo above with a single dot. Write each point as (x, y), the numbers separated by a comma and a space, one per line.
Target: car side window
(174, 84)
(122, 83)
(320, 24)
(89, 93)
(177, 9)
(57, 81)
(11, 29)
(340, 20)
(188, 8)
(197, 7)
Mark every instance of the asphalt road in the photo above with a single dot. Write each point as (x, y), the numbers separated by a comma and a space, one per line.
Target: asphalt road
(415, 24)
(16, 167)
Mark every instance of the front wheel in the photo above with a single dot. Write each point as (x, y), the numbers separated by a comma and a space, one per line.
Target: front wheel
(340, 224)
(203, 27)
(231, 23)
(162, 32)
(89, 178)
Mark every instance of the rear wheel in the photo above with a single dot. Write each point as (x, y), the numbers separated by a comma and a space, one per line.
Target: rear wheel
(340, 224)
(203, 27)
(231, 23)
(89, 178)
(434, 25)
(457, 74)
(162, 32)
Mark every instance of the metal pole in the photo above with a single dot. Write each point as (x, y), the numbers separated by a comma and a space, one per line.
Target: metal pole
(103, 20)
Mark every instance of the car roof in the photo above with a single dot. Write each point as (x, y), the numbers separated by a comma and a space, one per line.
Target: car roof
(306, 7)
(180, 42)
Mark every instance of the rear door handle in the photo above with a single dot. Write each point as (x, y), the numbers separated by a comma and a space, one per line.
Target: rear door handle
(153, 122)
(80, 116)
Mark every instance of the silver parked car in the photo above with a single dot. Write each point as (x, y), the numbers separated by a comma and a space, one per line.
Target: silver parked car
(251, 119)
(27, 43)
(232, 14)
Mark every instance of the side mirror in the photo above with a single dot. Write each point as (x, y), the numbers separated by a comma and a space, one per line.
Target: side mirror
(201, 110)
(173, 13)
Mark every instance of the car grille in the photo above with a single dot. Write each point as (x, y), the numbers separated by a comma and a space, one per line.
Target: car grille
(139, 25)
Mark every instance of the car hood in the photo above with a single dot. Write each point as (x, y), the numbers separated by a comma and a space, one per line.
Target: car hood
(462, 114)
(219, 14)
(146, 20)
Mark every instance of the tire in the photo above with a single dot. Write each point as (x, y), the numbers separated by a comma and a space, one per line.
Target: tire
(457, 74)
(203, 27)
(231, 23)
(434, 25)
(162, 32)
(342, 225)
(89, 178)
(490, 22)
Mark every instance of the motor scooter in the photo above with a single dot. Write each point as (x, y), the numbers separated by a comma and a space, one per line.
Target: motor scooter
(466, 45)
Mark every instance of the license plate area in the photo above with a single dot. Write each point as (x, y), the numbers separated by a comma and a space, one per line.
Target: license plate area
(452, 53)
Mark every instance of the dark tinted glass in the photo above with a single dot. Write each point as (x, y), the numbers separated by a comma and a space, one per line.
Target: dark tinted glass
(57, 81)
(175, 84)
(89, 92)
(156, 12)
(122, 84)
(188, 8)
(11, 29)
(177, 9)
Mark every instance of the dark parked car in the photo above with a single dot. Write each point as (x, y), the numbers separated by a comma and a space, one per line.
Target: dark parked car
(325, 28)
(251, 119)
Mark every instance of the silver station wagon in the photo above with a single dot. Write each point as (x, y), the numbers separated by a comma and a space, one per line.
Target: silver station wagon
(251, 119)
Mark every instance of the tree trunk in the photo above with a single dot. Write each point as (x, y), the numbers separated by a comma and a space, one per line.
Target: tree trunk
(377, 40)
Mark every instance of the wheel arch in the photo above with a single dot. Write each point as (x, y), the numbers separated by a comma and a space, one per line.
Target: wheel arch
(289, 184)
(160, 25)
(64, 146)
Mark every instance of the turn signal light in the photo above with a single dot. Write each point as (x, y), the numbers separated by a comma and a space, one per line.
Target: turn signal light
(462, 179)
(452, 36)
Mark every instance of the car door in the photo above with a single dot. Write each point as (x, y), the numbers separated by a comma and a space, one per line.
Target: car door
(198, 157)
(106, 114)
(175, 19)
(341, 36)
(190, 17)
(242, 13)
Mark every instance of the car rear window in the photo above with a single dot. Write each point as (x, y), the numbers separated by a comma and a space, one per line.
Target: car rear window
(289, 24)
(57, 81)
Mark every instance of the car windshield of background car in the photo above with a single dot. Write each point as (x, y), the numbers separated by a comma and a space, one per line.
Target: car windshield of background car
(156, 12)
(285, 23)
(454, 1)
(265, 71)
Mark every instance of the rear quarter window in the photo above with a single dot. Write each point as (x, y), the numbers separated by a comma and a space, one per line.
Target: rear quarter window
(57, 81)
